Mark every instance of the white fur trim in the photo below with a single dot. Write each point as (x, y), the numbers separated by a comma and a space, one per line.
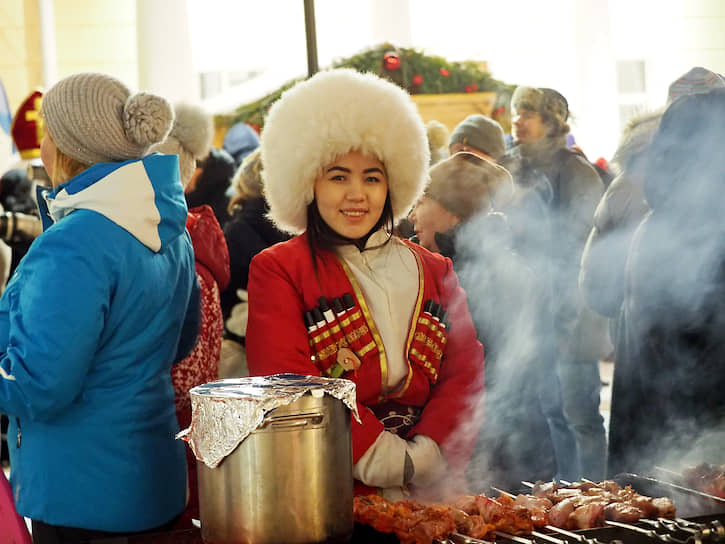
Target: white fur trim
(330, 114)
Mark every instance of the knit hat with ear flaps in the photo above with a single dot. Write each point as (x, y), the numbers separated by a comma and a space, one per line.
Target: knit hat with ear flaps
(697, 80)
(465, 184)
(190, 138)
(328, 115)
(95, 118)
(550, 104)
(482, 133)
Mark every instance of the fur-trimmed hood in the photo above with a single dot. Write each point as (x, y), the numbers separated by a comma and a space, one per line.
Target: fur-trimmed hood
(328, 115)
(636, 137)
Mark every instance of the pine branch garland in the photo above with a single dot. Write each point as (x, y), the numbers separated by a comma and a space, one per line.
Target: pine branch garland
(417, 73)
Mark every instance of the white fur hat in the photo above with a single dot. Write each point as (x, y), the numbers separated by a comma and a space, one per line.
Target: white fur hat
(328, 115)
(190, 138)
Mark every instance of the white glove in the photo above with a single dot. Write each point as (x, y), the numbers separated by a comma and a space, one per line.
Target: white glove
(383, 464)
(428, 461)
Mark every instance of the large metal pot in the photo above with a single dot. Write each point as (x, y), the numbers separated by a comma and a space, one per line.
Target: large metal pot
(290, 480)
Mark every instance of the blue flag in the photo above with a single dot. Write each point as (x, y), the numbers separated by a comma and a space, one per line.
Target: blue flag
(6, 116)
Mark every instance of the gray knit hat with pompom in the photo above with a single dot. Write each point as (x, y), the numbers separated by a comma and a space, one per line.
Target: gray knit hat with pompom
(95, 118)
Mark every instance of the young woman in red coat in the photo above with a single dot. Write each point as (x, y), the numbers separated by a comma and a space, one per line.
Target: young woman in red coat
(345, 156)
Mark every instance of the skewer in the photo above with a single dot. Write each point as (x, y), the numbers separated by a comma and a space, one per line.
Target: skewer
(548, 538)
(671, 525)
(460, 538)
(514, 538)
(575, 536)
(502, 492)
(668, 471)
(649, 533)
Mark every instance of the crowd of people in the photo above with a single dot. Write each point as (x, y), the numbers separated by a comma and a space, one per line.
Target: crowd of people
(481, 277)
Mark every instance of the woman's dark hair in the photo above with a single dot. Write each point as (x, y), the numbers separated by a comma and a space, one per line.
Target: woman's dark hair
(321, 236)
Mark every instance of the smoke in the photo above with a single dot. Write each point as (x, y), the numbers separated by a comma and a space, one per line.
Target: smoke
(668, 405)
(507, 301)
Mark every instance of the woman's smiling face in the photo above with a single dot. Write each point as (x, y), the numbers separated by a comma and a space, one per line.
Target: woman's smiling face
(350, 194)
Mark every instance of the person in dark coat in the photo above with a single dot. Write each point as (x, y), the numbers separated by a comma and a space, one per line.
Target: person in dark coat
(456, 217)
(248, 232)
(210, 183)
(668, 406)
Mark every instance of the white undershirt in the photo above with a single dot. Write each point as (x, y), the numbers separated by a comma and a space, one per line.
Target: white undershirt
(388, 279)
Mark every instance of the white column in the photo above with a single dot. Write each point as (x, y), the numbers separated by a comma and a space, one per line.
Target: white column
(49, 56)
(597, 113)
(164, 50)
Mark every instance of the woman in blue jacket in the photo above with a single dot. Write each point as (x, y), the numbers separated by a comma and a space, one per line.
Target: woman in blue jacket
(102, 305)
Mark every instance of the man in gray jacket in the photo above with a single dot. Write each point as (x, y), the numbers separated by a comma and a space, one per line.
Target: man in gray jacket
(557, 191)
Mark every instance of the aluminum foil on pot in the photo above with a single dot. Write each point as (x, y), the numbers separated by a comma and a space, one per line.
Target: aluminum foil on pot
(225, 412)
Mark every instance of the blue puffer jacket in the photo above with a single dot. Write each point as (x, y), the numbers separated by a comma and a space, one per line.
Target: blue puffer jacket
(102, 305)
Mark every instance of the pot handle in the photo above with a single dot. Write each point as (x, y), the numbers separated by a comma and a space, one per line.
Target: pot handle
(293, 421)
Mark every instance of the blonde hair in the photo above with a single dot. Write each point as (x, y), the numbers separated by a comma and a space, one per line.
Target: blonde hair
(64, 166)
(247, 180)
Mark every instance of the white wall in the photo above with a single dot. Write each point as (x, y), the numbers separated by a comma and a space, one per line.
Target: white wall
(670, 37)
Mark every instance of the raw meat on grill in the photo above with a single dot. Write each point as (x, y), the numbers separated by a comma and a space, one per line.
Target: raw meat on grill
(412, 523)
(707, 478)
(587, 504)
(538, 507)
(583, 506)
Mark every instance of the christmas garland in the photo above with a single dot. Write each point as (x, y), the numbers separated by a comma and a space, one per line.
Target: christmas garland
(409, 68)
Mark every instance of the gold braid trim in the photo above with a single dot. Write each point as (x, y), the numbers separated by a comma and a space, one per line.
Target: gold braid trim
(369, 319)
(411, 326)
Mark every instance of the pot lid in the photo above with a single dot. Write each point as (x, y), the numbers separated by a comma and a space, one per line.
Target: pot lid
(225, 412)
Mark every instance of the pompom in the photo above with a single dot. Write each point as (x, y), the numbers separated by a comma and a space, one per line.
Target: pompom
(147, 118)
(194, 129)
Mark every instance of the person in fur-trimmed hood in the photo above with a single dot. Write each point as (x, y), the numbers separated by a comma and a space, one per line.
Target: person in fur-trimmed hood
(359, 168)
(617, 215)
(557, 191)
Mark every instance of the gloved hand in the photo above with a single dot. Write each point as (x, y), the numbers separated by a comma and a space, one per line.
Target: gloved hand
(383, 464)
(428, 462)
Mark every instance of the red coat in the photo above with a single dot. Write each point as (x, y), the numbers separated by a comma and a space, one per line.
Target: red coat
(283, 285)
(202, 364)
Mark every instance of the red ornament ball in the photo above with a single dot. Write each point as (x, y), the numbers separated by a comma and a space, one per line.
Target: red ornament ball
(444, 72)
(469, 89)
(417, 80)
(391, 60)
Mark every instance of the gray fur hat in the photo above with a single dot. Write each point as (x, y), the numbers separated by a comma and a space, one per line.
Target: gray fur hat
(482, 133)
(466, 184)
(550, 104)
(94, 117)
(330, 114)
(190, 138)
